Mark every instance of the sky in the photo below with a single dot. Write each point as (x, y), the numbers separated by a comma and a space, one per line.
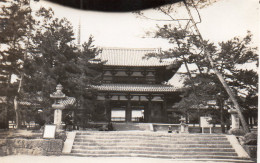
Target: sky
(221, 21)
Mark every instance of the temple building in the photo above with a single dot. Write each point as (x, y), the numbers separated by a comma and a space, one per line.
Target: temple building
(134, 86)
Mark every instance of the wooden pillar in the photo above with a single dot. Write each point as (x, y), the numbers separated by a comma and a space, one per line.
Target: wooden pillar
(164, 111)
(128, 112)
(144, 73)
(146, 113)
(199, 115)
(3, 117)
(149, 108)
(108, 107)
(129, 72)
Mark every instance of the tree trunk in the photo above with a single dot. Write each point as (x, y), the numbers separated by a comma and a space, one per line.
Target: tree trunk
(221, 105)
(220, 77)
(17, 113)
(16, 106)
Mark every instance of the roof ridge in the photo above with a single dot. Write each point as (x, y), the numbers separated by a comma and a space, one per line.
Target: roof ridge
(126, 48)
(148, 85)
(118, 56)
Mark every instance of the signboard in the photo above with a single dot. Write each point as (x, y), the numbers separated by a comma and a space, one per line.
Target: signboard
(49, 132)
(204, 121)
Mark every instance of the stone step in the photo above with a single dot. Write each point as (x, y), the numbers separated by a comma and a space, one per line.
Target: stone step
(92, 137)
(163, 156)
(117, 141)
(131, 126)
(149, 144)
(154, 145)
(191, 153)
(77, 147)
(151, 134)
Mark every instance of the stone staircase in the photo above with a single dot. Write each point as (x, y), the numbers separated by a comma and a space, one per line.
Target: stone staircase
(154, 145)
(132, 126)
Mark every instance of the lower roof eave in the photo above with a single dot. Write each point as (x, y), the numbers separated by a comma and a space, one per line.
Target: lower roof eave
(136, 88)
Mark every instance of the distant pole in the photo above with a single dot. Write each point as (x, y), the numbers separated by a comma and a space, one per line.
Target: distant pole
(79, 30)
(79, 26)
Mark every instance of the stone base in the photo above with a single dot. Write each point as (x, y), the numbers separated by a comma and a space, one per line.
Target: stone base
(251, 150)
(30, 147)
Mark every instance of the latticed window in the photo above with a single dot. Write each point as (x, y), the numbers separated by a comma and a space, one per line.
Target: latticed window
(129, 80)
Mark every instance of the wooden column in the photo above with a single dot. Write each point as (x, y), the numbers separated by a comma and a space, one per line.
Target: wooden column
(164, 111)
(108, 107)
(129, 72)
(128, 112)
(149, 108)
(144, 73)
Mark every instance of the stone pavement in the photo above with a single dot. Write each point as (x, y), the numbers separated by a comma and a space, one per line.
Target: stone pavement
(70, 159)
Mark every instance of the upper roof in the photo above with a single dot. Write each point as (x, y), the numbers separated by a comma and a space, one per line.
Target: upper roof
(130, 57)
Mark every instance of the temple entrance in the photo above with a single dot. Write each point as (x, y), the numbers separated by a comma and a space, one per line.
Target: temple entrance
(121, 113)
(137, 115)
(118, 115)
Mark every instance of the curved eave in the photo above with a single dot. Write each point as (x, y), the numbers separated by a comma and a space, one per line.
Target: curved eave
(135, 88)
(110, 65)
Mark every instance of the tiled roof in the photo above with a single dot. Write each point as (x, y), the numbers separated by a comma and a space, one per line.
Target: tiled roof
(135, 88)
(130, 57)
(67, 101)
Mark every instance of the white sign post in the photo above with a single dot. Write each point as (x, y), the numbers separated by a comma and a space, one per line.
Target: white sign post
(204, 123)
(49, 131)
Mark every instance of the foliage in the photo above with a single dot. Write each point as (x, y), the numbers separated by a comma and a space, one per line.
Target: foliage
(187, 47)
(237, 132)
(61, 135)
(250, 139)
(243, 82)
(14, 37)
(56, 59)
(14, 40)
(169, 12)
(228, 57)
(41, 52)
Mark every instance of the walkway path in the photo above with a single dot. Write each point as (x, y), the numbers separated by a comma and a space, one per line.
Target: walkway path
(70, 159)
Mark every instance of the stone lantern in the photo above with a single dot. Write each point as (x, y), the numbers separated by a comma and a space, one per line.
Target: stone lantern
(234, 118)
(58, 97)
(184, 126)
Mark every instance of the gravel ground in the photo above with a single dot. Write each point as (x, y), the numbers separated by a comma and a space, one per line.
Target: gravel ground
(73, 159)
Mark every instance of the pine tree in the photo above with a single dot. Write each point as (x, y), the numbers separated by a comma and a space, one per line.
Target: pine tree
(229, 58)
(188, 22)
(57, 60)
(14, 40)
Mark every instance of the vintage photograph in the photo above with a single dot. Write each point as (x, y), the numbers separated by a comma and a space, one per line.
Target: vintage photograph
(158, 81)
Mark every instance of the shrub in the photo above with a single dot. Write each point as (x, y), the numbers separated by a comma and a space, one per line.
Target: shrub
(237, 132)
(61, 135)
(250, 139)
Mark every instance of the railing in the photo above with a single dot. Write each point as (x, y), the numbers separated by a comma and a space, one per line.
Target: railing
(29, 125)
(122, 119)
(137, 119)
(118, 119)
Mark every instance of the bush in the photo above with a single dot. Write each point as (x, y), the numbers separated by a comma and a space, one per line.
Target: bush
(237, 132)
(250, 139)
(61, 135)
